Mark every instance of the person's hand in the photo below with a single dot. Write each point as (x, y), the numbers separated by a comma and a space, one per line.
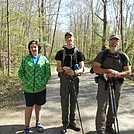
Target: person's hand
(68, 71)
(110, 75)
(114, 74)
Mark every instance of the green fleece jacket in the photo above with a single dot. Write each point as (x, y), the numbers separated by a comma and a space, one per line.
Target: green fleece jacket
(33, 77)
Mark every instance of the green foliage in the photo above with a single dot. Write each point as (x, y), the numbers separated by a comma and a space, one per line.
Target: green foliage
(26, 24)
(8, 84)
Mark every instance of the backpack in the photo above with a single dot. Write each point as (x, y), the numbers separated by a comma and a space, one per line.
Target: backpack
(73, 56)
(105, 55)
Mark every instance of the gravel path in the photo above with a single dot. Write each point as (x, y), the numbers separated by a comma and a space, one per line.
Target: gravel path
(12, 117)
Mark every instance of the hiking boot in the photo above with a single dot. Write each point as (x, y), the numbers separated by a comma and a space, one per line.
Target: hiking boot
(39, 127)
(110, 130)
(63, 131)
(100, 132)
(27, 131)
(74, 127)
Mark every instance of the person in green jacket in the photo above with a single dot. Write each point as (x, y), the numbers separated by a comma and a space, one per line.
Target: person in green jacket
(34, 73)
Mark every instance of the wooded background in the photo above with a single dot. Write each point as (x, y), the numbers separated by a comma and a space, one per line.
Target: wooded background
(92, 22)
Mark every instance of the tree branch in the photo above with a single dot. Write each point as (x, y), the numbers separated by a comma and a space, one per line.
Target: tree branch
(99, 17)
(98, 34)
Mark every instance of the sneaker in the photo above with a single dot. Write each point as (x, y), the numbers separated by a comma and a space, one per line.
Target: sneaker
(27, 131)
(110, 130)
(74, 127)
(39, 127)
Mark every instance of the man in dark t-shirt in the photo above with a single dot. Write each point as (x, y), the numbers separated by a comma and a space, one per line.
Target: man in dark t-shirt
(70, 64)
(59, 56)
(115, 67)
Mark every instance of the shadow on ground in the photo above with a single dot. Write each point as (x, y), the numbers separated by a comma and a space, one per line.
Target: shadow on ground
(18, 129)
(122, 132)
(11, 129)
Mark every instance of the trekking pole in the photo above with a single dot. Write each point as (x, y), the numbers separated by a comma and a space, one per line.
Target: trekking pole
(77, 105)
(113, 104)
(66, 106)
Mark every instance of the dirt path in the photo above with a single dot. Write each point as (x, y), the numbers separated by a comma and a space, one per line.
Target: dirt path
(12, 117)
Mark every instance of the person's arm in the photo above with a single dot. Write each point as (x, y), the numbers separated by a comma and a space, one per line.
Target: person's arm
(59, 67)
(68, 70)
(21, 72)
(47, 70)
(112, 73)
(127, 72)
(98, 69)
(127, 67)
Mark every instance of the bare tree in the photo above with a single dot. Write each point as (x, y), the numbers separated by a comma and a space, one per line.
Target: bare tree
(121, 29)
(104, 23)
(39, 20)
(44, 32)
(104, 3)
(8, 39)
(55, 30)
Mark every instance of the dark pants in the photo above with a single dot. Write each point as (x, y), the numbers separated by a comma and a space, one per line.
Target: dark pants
(68, 98)
(35, 98)
(104, 115)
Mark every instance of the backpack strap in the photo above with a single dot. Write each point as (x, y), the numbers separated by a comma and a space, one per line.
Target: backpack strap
(105, 54)
(64, 54)
(72, 56)
(75, 54)
(120, 54)
(122, 57)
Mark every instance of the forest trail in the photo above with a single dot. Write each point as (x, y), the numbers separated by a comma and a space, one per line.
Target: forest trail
(12, 117)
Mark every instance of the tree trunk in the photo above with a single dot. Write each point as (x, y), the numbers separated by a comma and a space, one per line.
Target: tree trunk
(8, 39)
(1, 41)
(104, 25)
(121, 29)
(92, 37)
(39, 20)
(55, 30)
(43, 15)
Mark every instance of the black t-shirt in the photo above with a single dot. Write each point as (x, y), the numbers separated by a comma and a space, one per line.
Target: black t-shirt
(67, 60)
